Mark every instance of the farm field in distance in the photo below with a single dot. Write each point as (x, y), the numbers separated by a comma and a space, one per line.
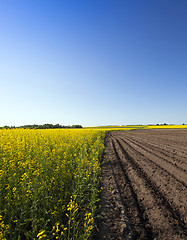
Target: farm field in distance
(144, 185)
(49, 183)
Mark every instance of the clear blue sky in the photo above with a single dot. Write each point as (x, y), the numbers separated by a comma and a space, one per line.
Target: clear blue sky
(95, 62)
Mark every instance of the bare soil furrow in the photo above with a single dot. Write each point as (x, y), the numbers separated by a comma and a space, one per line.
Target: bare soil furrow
(164, 147)
(178, 148)
(159, 196)
(141, 227)
(114, 223)
(161, 162)
(157, 151)
(152, 171)
(173, 144)
(144, 185)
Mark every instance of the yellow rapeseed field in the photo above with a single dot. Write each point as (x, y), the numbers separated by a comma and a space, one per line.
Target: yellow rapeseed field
(49, 182)
(166, 126)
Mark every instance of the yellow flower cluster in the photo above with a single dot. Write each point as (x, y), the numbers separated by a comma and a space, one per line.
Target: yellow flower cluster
(3, 229)
(48, 182)
(88, 224)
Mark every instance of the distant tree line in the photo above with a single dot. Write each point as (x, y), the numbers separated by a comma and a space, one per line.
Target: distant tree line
(44, 126)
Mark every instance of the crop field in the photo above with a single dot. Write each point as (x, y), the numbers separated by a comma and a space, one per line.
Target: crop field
(49, 183)
(144, 185)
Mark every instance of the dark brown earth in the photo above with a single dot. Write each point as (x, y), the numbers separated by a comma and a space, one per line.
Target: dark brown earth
(144, 185)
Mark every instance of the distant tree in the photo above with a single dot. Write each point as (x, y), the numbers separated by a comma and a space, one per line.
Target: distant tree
(76, 126)
(44, 126)
(57, 126)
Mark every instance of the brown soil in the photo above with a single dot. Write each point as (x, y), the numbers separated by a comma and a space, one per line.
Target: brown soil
(144, 185)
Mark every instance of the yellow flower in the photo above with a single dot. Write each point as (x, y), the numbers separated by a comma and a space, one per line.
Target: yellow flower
(41, 234)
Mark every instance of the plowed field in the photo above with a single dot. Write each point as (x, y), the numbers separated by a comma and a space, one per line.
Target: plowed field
(144, 185)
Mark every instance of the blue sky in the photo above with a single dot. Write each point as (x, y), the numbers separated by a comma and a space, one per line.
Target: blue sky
(96, 62)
